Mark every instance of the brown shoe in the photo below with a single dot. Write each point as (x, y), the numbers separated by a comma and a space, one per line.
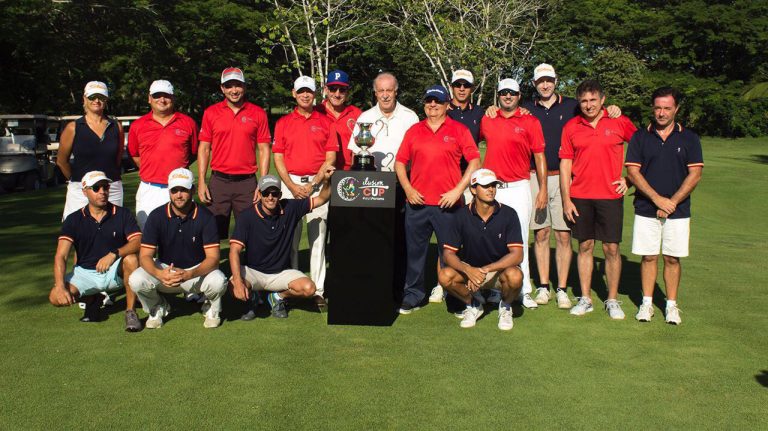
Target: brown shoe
(132, 322)
(322, 305)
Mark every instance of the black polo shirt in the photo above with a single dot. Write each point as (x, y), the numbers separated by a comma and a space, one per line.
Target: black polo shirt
(268, 238)
(180, 241)
(470, 117)
(664, 164)
(552, 120)
(94, 240)
(478, 242)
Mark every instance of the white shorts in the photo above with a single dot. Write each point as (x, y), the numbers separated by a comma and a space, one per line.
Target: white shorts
(271, 282)
(670, 235)
(76, 199)
(148, 197)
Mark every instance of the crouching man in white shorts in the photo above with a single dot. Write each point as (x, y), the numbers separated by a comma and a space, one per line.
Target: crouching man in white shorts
(483, 250)
(664, 161)
(186, 240)
(265, 231)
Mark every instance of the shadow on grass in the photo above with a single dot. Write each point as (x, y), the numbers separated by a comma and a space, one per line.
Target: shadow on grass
(762, 378)
(760, 158)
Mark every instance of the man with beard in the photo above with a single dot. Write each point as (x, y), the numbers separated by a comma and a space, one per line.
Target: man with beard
(186, 240)
(232, 134)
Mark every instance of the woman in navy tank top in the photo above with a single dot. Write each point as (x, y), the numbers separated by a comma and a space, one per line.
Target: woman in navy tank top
(96, 142)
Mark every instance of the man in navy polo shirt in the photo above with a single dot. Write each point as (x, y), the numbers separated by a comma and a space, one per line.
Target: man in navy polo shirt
(434, 187)
(185, 236)
(664, 162)
(483, 251)
(266, 233)
(106, 239)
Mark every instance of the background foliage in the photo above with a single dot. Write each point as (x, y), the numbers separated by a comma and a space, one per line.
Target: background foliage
(713, 50)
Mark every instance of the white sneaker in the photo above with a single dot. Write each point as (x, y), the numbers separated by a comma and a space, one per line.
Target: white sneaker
(471, 314)
(673, 315)
(528, 302)
(542, 295)
(614, 309)
(563, 301)
(460, 314)
(582, 307)
(505, 318)
(437, 295)
(212, 320)
(155, 319)
(644, 313)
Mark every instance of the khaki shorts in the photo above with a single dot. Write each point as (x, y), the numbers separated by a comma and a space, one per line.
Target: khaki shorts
(271, 282)
(552, 215)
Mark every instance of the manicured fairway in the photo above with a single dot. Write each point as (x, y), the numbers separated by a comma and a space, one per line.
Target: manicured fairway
(551, 371)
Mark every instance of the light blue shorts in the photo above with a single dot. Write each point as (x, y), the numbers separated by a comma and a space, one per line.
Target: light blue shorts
(89, 282)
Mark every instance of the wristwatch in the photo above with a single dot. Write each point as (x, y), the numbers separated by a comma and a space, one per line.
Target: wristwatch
(316, 187)
(116, 252)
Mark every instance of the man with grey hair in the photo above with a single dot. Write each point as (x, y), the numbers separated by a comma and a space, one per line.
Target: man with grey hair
(390, 122)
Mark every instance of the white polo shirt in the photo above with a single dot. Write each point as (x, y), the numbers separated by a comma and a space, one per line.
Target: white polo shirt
(388, 132)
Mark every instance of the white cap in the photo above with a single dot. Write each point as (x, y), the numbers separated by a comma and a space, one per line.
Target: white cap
(462, 74)
(304, 82)
(232, 74)
(181, 177)
(161, 86)
(483, 177)
(96, 87)
(93, 177)
(508, 84)
(543, 70)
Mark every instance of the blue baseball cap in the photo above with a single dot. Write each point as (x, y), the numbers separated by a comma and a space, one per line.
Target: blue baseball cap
(337, 77)
(437, 92)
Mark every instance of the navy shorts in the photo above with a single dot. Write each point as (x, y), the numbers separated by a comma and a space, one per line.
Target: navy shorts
(599, 219)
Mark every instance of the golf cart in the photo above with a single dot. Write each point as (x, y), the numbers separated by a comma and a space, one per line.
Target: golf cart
(24, 157)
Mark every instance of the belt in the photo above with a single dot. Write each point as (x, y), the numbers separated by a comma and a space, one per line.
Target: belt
(155, 184)
(303, 178)
(232, 177)
(509, 184)
(550, 172)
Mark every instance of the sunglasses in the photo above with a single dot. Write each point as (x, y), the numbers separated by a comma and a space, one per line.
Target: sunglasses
(304, 90)
(97, 188)
(156, 96)
(508, 93)
(230, 84)
(339, 88)
(178, 190)
(461, 85)
(100, 97)
(272, 193)
(428, 101)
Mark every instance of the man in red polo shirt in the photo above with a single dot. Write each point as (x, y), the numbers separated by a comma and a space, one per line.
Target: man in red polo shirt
(511, 138)
(230, 135)
(591, 156)
(435, 186)
(341, 114)
(305, 140)
(159, 142)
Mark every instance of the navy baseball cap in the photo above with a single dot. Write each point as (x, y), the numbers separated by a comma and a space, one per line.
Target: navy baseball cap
(337, 77)
(437, 92)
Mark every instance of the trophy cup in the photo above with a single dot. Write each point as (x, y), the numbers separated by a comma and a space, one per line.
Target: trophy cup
(363, 161)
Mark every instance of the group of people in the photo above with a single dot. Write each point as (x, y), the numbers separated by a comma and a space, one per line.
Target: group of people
(554, 164)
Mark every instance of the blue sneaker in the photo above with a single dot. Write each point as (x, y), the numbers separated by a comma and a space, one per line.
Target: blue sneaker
(278, 306)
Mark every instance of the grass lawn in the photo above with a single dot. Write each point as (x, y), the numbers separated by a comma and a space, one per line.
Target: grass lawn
(552, 371)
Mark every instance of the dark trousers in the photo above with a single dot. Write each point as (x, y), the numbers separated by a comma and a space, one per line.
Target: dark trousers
(420, 222)
(227, 195)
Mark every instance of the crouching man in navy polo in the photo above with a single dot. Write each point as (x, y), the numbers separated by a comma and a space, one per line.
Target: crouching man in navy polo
(266, 232)
(106, 239)
(185, 236)
(483, 250)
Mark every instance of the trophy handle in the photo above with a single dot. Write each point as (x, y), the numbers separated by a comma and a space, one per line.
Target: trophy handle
(383, 126)
(351, 125)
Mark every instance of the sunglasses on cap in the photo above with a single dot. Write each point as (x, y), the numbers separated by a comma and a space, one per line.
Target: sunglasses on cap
(101, 97)
(339, 88)
(272, 193)
(97, 187)
(156, 96)
(461, 84)
(508, 93)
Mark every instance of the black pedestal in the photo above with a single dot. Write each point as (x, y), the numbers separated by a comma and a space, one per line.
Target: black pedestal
(366, 253)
